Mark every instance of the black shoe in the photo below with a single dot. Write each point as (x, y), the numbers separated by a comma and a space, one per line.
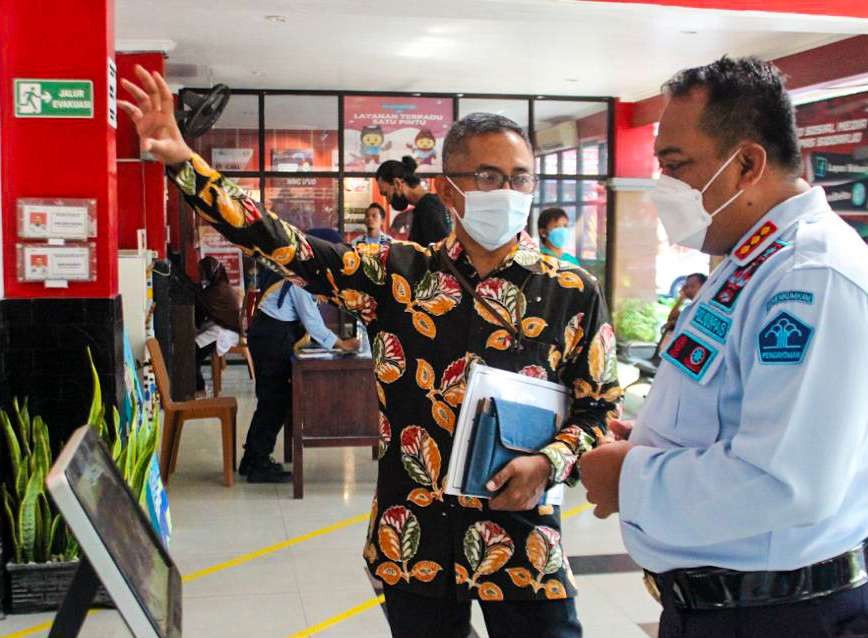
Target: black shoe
(267, 471)
(247, 462)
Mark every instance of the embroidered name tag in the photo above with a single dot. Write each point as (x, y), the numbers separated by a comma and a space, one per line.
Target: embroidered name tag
(784, 340)
(711, 323)
(728, 294)
(787, 296)
(690, 355)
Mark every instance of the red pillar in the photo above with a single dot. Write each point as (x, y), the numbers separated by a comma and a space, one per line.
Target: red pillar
(45, 332)
(141, 183)
(58, 157)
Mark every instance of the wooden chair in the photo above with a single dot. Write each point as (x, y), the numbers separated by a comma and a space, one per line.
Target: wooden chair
(218, 363)
(176, 413)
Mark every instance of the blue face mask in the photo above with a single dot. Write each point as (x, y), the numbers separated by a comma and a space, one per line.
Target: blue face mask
(559, 237)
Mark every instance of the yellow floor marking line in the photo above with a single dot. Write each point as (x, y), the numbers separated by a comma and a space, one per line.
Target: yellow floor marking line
(265, 551)
(334, 620)
(234, 562)
(379, 600)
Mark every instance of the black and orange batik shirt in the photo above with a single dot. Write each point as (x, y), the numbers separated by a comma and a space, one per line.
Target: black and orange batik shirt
(425, 331)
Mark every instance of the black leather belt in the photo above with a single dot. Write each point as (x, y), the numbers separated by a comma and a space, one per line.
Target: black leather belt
(716, 588)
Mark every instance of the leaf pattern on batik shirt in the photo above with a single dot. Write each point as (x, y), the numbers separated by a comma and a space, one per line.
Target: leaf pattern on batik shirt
(389, 359)
(421, 458)
(385, 429)
(545, 554)
(487, 548)
(399, 536)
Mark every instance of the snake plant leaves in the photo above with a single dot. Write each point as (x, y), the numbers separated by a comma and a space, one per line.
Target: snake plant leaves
(11, 442)
(23, 426)
(27, 517)
(13, 527)
(96, 406)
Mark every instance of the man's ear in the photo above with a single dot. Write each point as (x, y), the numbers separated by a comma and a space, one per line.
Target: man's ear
(753, 160)
(444, 191)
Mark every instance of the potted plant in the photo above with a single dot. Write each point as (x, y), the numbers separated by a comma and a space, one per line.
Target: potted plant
(44, 553)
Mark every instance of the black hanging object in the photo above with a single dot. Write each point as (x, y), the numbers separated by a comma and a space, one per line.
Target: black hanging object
(200, 111)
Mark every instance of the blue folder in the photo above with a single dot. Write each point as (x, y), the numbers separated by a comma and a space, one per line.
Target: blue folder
(504, 430)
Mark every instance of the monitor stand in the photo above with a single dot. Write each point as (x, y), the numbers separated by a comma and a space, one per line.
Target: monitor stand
(77, 602)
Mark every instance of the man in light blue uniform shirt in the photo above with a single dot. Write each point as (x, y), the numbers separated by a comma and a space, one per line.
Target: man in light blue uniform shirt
(283, 313)
(743, 488)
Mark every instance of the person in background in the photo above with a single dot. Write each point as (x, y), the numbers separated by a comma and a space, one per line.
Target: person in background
(374, 234)
(283, 314)
(741, 489)
(686, 294)
(399, 183)
(218, 315)
(484, 293)
(554, 234)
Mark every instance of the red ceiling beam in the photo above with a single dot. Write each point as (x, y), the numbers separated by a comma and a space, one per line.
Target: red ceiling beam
(824, 64)
(840, 8)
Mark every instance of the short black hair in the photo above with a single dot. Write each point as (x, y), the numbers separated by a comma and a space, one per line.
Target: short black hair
(477, 124)
(548, 216)
(747, 100)
(378, 207)
(405, 170)
(698, 275)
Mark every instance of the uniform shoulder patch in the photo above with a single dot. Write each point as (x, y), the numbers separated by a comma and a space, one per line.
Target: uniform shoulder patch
(711, 323)
(784, 340)
(690, 355)
(789, 296)
(726, 296)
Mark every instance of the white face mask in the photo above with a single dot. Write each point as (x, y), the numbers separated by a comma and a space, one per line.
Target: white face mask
(681, 210)
(493, 218)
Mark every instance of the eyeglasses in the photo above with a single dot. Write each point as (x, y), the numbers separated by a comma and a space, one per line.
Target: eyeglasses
(491, 179)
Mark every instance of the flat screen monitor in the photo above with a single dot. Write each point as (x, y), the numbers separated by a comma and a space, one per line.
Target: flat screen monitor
(117, 537)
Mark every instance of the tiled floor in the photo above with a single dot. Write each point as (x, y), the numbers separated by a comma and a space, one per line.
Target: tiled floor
(292, 590)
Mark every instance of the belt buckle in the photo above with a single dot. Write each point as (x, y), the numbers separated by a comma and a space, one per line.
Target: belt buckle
(651, 586)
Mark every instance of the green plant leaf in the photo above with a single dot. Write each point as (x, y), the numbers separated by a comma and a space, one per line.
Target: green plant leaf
(41, 446)
(43, 540)
(27, 525)
(140, 473)
(23, 429)
(21, 481)
(11, 442)
(96, 400)
(54, 534)
(70, 552)
(13, 527)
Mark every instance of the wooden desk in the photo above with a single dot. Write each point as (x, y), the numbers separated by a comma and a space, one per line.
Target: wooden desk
(334, 404)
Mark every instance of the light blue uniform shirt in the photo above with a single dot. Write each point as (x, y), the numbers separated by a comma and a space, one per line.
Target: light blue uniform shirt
(298, 305)
(752, 446)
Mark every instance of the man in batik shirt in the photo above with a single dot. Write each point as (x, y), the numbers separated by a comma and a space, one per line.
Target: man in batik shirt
(436, 552)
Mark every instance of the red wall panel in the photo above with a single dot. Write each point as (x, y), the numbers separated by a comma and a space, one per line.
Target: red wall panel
(59, 157)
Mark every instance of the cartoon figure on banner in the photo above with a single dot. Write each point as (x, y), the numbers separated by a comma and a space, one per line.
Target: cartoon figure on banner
(424, 147)
(373, 142)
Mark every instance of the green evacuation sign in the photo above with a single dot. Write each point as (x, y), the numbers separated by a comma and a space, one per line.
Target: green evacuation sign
(53, 98)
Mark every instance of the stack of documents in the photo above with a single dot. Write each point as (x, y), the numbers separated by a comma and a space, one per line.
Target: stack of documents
(504, 414)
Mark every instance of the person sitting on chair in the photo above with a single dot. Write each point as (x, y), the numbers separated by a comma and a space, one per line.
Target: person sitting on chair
(218, 315)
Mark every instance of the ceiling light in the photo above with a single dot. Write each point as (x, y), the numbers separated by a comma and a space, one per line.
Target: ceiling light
(276, 19)
(690, 32)
(571, 79)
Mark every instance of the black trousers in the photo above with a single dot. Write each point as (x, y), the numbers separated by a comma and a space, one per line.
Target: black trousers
(414, 616)
(270, 342)
(842, 615)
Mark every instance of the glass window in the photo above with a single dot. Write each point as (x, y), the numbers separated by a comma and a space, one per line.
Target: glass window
(550, 164)
(233, 143)
(550, 191)
(591, 241)
(380, 128)
(359, 193)
(570, 162)
(305, 202)
(564, 125)
(301, 133)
